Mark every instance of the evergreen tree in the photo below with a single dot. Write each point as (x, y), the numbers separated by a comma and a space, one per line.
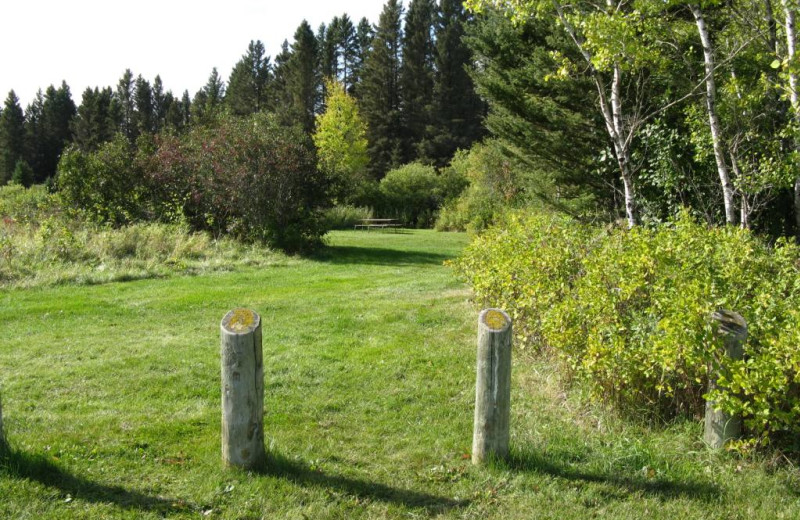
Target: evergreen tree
(328, 48)
(58, 112)
(23, 174)
(34, 133)
(143, 100)
(380, 92)
(248, 86)
(302, 80)
(160, 104)
(457, 108)
(93, 124)
(363, 46)
(417, 73)
(347, 41)
(12, 136)
(279, 92)
(126, 106)
(207, 103)
(186, 109)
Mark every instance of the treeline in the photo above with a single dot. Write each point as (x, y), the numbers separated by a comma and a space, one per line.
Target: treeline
(638, 108)
(408, 74)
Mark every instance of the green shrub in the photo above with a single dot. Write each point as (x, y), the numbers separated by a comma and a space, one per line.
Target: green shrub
(414, 192)
(107, 185)
(252, 178)
(629, 311)
(490, 186)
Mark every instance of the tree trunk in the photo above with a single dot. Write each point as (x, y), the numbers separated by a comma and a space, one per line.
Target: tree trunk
(713, 119)
(772, 27)
(612, 114)
(791, 48)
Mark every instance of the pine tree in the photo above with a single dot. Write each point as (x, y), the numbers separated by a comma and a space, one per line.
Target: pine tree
(279, 93)
(34, 134)
(160, 104)
(12, 136)
(363, 46)
(302, 80)
(379, 91)
(93, 124)
(417, 73)
(457, 108)
(58, 112)
(143, 100)
(207, 103)
(126, 105)
(248, 86)
(347, 41)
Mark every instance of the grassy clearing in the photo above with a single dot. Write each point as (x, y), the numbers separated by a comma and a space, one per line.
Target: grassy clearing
(111, 402)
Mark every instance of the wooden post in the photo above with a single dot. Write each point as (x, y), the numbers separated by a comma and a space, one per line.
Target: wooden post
(242, 389)
(493, 386)
(721, 427)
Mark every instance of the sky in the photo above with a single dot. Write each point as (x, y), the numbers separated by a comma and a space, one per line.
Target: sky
(90, 43)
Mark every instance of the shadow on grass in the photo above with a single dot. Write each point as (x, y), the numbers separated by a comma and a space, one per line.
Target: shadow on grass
(377, 256)
(657, 487)
(301, 474)
(37, 468)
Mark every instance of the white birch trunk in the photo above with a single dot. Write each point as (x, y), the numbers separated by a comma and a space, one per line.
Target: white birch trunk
(713, 119)
(791, 48)
(612, 114)
(242, 389)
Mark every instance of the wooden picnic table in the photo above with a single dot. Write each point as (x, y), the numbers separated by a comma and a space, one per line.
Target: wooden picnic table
(378, 223)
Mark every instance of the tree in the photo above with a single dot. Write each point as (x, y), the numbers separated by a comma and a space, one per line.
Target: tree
(302, 81)
(248, 86)
(144, 115)
(363, 46)
(127, 105)
(341, 142)
(58, 111)
(23, 174)
(34, 134)
(207, 103)
(93, 124)
(348, 45)
(417, 73)
(457, 109)
(12, 136)
(379, 91)
(160, 104)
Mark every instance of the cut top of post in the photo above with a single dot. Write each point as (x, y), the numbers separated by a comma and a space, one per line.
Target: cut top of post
(240, 321)
(495, 319)
(730, 323)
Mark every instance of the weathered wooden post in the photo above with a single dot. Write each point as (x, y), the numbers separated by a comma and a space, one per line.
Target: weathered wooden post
(242, 389)
(721, 427)
(493, 386)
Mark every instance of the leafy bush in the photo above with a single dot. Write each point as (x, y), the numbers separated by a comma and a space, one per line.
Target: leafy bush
(492, 185)
(251, 178)
(629, 311)
(414, 192)
(107, 185)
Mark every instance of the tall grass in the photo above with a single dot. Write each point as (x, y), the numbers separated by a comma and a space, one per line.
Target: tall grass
(43, 244)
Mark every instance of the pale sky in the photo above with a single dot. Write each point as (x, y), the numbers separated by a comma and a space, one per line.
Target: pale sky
(90, 43)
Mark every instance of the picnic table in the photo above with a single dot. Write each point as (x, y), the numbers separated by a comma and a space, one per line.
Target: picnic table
(378, 223)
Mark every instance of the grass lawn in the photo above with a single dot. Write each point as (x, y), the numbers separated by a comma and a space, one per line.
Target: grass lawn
(111, 403)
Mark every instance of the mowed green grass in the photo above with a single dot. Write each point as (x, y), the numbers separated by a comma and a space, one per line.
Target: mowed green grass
(111, 401)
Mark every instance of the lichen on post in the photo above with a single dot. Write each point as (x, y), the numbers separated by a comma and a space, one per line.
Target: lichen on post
(492, 387)
(242, 389)
(721, 427)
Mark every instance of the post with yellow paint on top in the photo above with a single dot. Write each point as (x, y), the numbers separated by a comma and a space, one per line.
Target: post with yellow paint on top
(493, 387)
(242, 389)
